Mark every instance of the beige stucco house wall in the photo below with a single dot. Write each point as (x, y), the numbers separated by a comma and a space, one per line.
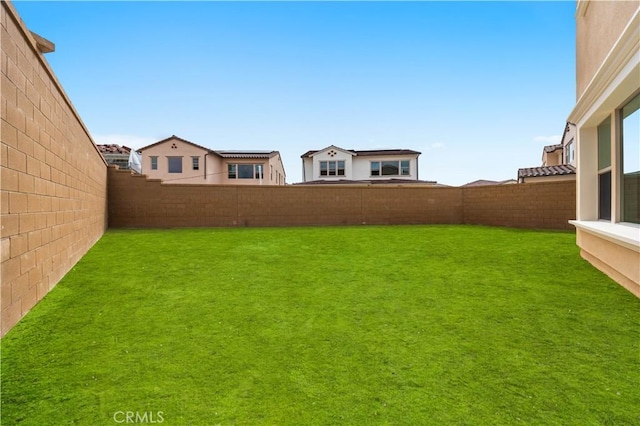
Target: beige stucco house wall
(607, 155)
(552, 155)
(177, 161)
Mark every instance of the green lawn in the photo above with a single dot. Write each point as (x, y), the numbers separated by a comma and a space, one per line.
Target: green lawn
(335, 325)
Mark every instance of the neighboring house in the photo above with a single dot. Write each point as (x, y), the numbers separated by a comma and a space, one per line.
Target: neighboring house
(333, 164)
(482, 182)
(176, 160)
(607, 117)
(558, 161)
(552, 155)
(115, 155)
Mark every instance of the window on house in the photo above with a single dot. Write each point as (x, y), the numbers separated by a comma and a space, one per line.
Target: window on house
(390, 168)
(175, 164)
(604, 170)
(245, 171)
(257, 171)
(154, 163)
(195, 163)
(630, 182)
(270, 172)
(569, 152)
(332, 168)
(404, 168)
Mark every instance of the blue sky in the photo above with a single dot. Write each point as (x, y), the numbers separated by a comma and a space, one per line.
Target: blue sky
(478, 87)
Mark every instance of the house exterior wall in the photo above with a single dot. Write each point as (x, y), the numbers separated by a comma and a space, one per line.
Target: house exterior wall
(53, 178)
(608, 65)
(324, 155)
(552, 158)
(135, 201)
(212, 168)
(177, 148)
(307, 169)
(598, 27)
(357, 167)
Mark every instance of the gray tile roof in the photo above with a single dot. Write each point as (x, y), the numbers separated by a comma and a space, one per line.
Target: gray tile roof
(563, 169)
(368, 182)
(372, 152)
(551, 148)
(247, 154)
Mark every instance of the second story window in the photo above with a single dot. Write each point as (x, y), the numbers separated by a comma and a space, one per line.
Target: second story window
(332, 168)
(175, 164)
(154, 163)
(391, 168)
(245, 171)
(569, 153)
(195, 161)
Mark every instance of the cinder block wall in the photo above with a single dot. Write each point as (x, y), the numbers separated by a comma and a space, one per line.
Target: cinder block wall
(548, 205)
(136, 202)
(53, 181)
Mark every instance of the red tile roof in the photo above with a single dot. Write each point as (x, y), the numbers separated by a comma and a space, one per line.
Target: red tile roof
(113, 149)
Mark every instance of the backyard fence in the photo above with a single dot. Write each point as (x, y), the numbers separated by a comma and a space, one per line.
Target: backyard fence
(138, 202)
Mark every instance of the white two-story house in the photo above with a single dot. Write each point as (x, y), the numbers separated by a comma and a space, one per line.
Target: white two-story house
(335, 164)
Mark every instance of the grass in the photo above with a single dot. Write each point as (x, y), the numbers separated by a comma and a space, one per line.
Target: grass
(345, 325)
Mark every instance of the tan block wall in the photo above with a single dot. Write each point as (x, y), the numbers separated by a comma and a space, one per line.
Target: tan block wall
(135, 201)
(596, 33)
(547, 205)
(53, 180)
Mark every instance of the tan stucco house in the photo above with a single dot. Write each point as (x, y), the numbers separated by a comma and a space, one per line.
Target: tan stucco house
(177, 160)
(335, 164)
(607, 118)
(558, 161)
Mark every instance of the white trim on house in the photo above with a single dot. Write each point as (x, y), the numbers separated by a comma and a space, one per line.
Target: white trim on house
(624, 234)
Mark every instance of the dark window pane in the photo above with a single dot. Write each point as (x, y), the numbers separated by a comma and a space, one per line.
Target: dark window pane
(196, 163)
(375, 168)
(175, 164)
(604, 198)
(390, 168)
(231, 170)
(340, 168)
(258, 171)
(323, 168)
(332, 168)
(404, 166)
(154, 163)
(245, 171)
(604, 144)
